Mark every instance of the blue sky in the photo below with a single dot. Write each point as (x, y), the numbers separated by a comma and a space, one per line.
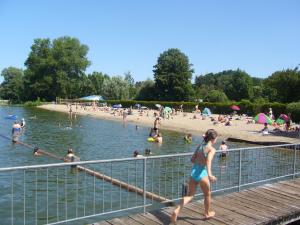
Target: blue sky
(258, 36)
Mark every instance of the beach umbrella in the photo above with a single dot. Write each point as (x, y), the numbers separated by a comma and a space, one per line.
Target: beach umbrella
(137, 105)
(280, 121)
(144, 107)
(117, 106)
(235, 107)
(92, 98)
(206, 111)
(167, 110)
(262, 118)
(158, 105)
(284, 117)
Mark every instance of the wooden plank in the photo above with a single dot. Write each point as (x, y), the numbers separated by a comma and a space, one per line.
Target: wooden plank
(162, 216)
(123, 221)
(195, 217)
(292, 204)
(219, 218)
(262, 209)
(241, 210)
(180, 221)
(247, 206)
(291, 183)
(286, 191)
(101, 223)
(152, 217)
(276, 193)
(272, 201)
(232, 216)
(290, 188)
(143, 219)
(280, 192)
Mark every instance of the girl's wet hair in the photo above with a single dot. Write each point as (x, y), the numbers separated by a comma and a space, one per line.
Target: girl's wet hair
(210, 135)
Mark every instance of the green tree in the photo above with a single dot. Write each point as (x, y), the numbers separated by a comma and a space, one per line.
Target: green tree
(53, 66)
(236, 84)
(216, 96)
(115, 88)
(285, 85)
(172, 75)
(12, 86)
(132, 88)
(97, 80)
(146, 90)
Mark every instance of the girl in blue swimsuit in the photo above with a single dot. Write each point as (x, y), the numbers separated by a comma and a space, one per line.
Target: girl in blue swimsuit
(201, 174)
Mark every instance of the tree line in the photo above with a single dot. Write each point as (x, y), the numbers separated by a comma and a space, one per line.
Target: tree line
(57, 68)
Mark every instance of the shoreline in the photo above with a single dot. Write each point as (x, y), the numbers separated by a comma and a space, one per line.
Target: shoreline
(239, 130)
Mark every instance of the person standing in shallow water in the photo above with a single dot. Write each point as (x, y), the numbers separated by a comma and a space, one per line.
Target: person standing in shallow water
(201, 175)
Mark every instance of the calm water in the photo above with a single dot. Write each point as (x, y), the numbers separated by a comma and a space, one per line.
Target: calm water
(99, 139)
(90, 138)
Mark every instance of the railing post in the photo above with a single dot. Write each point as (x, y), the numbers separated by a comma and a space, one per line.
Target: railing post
(240, 169)
(145, 182)
(294, 163)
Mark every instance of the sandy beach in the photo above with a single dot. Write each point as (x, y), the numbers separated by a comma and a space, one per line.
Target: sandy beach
(185, 123)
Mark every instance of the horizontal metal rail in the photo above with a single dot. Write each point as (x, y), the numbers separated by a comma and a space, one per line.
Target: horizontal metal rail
(63, 192)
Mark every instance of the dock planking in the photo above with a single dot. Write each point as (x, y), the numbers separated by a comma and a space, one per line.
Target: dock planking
(276, 203)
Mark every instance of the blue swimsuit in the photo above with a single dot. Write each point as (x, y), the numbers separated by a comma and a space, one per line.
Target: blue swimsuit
(199, 171)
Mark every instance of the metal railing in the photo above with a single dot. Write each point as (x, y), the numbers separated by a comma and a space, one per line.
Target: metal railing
(67, 192)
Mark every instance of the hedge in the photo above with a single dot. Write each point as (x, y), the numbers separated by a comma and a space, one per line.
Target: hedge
(246, 107)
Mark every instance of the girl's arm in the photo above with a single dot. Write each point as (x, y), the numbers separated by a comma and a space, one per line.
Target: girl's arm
(209, 159)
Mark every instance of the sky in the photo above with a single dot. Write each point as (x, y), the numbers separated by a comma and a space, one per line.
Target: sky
(257, 36)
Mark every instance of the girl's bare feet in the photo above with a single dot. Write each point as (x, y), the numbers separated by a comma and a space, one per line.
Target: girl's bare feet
(174, 217)
(210, 215)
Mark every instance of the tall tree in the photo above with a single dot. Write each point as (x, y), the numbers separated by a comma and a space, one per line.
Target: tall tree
(236, 84)
(283, 85)
(52, 66)
(146, 90)
(115, 88)
(173, 76)
(132, 88)
(12, 85)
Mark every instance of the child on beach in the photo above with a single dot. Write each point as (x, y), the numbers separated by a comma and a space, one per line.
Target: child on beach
(201, 175)
(265, 130)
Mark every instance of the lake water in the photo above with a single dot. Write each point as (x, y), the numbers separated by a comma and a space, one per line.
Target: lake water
(69, 194)
(90, 138)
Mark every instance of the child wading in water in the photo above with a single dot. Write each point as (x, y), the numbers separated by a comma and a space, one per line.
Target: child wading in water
(200, 175)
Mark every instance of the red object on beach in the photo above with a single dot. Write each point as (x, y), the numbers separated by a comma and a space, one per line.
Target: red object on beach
(235, 107)
(284, 117)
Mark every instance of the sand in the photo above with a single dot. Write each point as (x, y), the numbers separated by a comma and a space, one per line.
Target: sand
(239, 129)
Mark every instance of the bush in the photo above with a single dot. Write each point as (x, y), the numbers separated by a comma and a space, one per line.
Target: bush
(33, 103)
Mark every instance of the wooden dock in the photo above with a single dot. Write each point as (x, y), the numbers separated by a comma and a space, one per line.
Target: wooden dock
(277, 203)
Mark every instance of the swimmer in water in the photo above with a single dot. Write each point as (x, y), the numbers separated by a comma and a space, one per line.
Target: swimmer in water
(23, 123)
(136, 154)
(188, 138)
(158, 138)
(16, 130)
(36, 151)
(71, 157)
(224, 149)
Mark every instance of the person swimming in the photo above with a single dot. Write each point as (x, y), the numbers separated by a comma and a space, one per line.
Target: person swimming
(36, 151)
(71, 157)
(148, 152)
(23, 124)
(158, 138)
(16, 130)
(188, 138)
(224, 149)
(136, 154)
